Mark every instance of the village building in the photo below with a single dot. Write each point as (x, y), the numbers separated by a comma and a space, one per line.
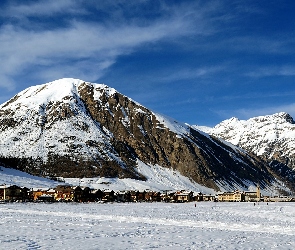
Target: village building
(253, 195)
(167, 196)
(133, 196)
(46, 198)
(152, 196)
(123, 196)
(183, 196)
(238, 196)
(37, 192)
(278, 199)
(198, 196)
(83, 194)
(64, 193)
(231, 196)
(97, 194)
(141, 196)
(78, 194)
(14, 193)
(109, 196)
(209, 197)
(136, 196)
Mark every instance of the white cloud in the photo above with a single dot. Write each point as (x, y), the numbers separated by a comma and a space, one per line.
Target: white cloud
(82, 47)
(21, 49)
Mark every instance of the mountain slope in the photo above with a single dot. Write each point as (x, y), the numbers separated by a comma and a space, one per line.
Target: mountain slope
(9, 176)
(72, 128)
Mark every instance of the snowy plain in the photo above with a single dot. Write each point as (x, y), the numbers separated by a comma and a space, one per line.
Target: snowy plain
(202, 225)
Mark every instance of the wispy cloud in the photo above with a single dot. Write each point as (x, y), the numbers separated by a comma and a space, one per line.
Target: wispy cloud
(42, 8)
(184, 74)
(284, 70)
(81, 48)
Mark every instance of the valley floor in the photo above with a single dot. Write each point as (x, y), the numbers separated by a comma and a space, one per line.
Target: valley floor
(204, 225)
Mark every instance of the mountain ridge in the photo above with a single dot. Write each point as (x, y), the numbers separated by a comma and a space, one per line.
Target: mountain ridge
(73, 128)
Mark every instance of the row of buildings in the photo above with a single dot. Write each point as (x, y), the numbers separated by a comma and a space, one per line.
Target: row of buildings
(240, 196)
(85, 194)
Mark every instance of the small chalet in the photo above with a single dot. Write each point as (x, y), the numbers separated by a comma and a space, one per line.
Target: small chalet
(64, 193)
(82, 194)
(46, 198)
(136, 196)
(97, 194)
(37, 192)
(109, 196)
(183, 196)
(209, 197)
(152, 196)
(123, 196)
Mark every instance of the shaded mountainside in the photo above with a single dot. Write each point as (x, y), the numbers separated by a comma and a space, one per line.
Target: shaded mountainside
(72, 128)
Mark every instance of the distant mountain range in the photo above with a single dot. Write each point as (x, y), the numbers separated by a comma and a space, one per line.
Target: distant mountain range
(272, 137)
(72, 128)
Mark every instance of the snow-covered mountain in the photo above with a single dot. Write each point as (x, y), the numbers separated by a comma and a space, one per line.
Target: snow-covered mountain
(73, 128)
(271, 136)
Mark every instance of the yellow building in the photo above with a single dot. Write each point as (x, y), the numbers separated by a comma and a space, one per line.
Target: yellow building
(240, 196)
(231, 196)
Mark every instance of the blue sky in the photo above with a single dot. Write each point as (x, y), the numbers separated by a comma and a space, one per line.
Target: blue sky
(199, 62)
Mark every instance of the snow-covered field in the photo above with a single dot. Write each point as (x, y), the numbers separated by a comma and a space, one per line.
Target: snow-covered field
(147, 225)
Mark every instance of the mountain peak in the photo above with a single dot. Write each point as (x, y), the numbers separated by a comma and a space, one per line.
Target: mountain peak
(280, 117)
(56, 91)
(285, 116)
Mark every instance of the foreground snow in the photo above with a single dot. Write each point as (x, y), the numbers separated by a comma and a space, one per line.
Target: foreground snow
(147, 225)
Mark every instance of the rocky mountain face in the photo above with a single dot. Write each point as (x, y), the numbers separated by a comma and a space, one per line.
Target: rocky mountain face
(73, 128)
